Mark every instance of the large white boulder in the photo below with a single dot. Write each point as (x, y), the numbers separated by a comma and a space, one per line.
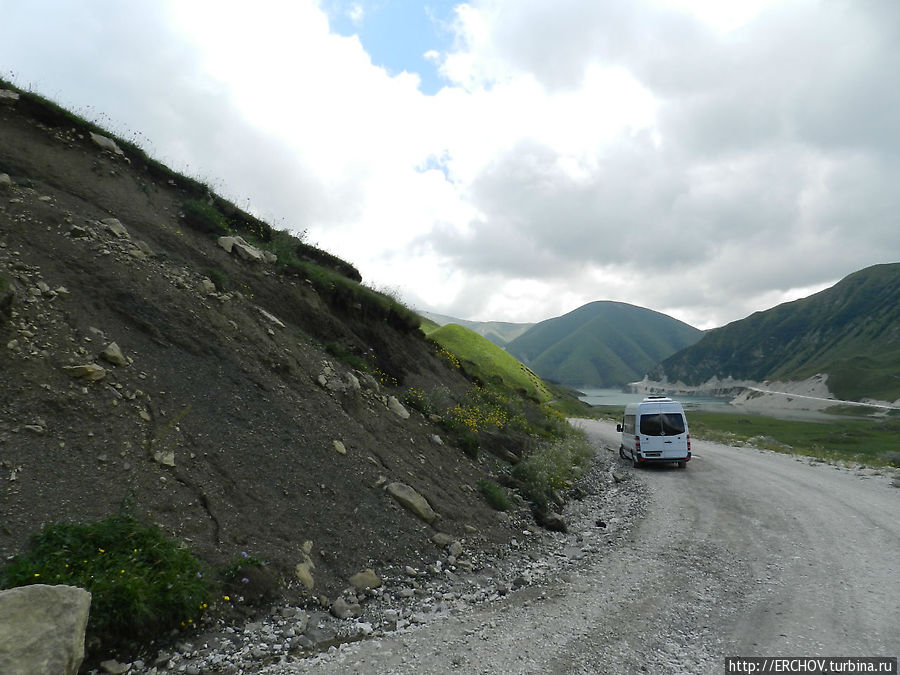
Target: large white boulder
(42, 629)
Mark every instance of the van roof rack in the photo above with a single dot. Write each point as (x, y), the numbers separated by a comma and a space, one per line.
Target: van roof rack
(657, 396)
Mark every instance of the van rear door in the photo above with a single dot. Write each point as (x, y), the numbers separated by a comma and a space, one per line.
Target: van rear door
(663, 432)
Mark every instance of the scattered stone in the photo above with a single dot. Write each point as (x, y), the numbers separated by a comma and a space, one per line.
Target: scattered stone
(363, 581)
(207, 287)
(165, 457)
(237, 246)
(78, 232)
(113, 355)
(271, 318)
(340, 448)
(115, 227)
(143, 249)
(397, 408)
(5, 181)
(8, 96)
(304, 569)
(105, 143)
(90, 372)
(412, 500)
(551, 520)
(442, 539)
(345, 610)
(113, 667)
(42, 629)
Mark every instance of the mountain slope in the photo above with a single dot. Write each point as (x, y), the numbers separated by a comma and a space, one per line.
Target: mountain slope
(601, 344)
(850, 331)
(490, 360)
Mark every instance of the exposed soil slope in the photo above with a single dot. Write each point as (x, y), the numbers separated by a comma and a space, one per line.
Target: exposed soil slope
(218, 426)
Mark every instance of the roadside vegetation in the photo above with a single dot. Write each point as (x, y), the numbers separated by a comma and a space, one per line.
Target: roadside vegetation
(142, 582)
(514, 416)
(868, 441)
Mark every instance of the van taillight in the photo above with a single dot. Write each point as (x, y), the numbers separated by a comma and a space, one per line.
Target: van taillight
(637, 443)
(689, 443)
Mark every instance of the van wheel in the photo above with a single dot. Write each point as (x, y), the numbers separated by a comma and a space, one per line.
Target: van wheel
(634, 461)
(681, 465)
(622, 452)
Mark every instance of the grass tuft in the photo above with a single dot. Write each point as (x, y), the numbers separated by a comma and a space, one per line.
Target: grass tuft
(201, 216)
(494, 494)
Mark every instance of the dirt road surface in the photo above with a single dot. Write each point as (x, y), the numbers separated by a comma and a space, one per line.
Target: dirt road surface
(743, 553)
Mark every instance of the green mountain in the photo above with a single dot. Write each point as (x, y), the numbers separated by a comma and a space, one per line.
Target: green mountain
(601, 344)
(850, 331)
(490, 361)
(499, 332)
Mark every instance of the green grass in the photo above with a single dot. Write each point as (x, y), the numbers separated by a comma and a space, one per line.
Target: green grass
(204, 217)
(553, 465)
(494, 494)
(870, 441)
(143, 584)
(489, 362)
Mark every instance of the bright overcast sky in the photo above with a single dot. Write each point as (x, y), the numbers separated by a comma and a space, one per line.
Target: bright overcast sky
(514, 159)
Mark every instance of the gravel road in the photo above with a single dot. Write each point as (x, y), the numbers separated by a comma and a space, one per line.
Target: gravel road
(745, 552)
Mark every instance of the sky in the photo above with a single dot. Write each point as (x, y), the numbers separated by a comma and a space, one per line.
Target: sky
(512, 160)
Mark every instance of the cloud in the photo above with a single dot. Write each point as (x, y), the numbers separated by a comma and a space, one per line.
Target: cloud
(765, 166)
(667, 153)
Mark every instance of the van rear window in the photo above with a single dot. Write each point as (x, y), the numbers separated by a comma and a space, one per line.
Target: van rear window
(665, 424)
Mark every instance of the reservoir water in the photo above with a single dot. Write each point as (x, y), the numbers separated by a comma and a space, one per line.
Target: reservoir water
(617, 397)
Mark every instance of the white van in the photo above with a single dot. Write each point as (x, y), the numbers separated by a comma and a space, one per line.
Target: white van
(655, 430)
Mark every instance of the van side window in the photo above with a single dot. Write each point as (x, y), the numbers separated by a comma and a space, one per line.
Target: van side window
(628, 424)
(666, 424)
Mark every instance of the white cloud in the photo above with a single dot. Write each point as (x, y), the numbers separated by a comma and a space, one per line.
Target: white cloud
(702, 158)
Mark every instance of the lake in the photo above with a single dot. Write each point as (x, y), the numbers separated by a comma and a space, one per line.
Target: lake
(617, 397)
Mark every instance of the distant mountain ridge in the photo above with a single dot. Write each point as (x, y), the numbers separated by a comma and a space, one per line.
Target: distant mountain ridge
(850, 331)
(601, 344)
(500, 333)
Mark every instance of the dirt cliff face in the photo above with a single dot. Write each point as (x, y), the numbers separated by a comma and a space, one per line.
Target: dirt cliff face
(216, 413)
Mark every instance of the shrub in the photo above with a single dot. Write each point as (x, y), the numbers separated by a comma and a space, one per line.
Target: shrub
(494, 494)
(417, 400)
(553, 466)
(143, 584)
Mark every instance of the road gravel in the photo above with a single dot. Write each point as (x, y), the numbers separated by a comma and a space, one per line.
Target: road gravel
(743, 553)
